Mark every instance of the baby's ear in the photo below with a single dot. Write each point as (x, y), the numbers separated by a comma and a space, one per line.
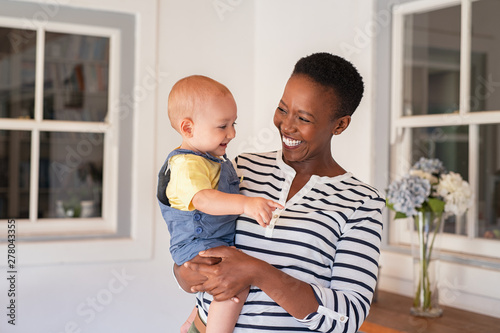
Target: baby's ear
(187, 127)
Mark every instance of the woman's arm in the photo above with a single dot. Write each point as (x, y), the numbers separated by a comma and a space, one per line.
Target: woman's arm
(237, 271)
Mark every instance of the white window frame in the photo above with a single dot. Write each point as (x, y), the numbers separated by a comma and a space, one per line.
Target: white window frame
(107, 223)
(132, 214)
(460, 245)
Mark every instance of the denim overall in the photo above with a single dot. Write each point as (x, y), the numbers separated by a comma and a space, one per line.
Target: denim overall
(195, 231)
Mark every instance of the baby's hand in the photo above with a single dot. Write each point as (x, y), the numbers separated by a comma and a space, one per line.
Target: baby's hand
(260, 209)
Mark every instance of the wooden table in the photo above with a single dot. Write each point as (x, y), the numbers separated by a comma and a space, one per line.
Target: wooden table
(393, 313)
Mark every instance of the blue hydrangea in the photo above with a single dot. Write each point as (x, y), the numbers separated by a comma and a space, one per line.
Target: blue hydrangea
(408, 193)
(430, 165)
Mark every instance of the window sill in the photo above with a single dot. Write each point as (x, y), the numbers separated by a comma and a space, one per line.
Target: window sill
(81, 251)
(453, 257)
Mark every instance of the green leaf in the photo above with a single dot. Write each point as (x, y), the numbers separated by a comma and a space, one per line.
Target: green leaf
(389, 205)
(436, 205)
(399, 215)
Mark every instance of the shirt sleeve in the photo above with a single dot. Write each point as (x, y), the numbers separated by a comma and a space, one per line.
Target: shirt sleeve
(188, 177)
(346, 302)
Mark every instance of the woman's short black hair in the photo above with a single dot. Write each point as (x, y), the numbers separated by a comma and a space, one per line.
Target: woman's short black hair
(333, 71)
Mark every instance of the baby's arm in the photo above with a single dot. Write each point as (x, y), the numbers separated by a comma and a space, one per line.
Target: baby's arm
(215, 202)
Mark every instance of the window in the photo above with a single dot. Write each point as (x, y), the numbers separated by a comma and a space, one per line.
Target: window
(67, 101)
(446, 105)
(55, 128)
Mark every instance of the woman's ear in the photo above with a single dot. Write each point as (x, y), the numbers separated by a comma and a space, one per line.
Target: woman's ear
(341, 124)
(187, 127)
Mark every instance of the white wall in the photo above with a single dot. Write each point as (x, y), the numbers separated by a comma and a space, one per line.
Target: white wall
(287, 30)
(197, 37)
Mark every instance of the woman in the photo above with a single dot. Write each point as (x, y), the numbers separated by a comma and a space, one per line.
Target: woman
(315, 267)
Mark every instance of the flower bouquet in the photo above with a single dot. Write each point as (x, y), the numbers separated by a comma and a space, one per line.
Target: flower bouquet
(428, 194)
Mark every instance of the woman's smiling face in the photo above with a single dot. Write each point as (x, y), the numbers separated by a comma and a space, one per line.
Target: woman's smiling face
(305, 120)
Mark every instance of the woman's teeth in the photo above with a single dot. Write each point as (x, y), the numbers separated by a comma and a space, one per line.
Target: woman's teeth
(291, 142)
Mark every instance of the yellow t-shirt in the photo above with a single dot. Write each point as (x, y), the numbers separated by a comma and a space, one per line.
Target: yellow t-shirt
(190, 174)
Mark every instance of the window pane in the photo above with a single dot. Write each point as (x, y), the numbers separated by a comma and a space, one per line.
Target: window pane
(485, 70)
(431, 75)
(489, 182)
(70, 174)
(76, 77)
(15, 149)
(450, 144)
(17, 73)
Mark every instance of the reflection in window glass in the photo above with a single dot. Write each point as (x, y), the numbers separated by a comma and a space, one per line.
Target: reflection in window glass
(70, 181)
(76, 77)
(15, 148)
(485, 72)
(489, 182)
(450, 144)
(17, 73)
(431, 75)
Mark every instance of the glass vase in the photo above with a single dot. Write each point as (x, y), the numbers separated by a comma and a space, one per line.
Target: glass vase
(426, 238)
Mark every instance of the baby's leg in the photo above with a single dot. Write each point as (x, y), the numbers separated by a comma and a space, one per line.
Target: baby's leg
(187, 324)
(222, 316)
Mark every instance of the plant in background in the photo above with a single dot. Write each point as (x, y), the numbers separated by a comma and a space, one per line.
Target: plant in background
(429, 188)
(428, 193)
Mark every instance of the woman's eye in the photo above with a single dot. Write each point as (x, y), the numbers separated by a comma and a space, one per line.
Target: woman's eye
(281, 109)
(304, 120)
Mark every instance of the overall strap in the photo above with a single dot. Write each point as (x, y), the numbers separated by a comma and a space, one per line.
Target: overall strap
(164, 174)
(187, 151)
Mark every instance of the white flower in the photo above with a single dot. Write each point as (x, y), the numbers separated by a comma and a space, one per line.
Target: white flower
(456, 193)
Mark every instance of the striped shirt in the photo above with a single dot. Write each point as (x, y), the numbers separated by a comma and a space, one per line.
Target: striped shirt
(328, 235)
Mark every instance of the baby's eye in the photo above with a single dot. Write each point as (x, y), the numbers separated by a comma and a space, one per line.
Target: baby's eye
(223, 126)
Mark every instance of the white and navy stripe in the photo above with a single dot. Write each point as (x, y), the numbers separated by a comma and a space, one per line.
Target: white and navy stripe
(328, 235)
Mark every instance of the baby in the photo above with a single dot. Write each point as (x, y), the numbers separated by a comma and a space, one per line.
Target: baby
(198, 189)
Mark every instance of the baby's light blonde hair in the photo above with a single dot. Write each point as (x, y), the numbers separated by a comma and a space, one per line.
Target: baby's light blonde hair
(188, 94)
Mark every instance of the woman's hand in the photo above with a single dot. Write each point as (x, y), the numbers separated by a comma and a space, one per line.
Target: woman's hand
(188, 278)
(237, 271)
(224, 280)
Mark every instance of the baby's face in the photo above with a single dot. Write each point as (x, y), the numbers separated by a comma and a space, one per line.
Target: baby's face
(214, 125)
